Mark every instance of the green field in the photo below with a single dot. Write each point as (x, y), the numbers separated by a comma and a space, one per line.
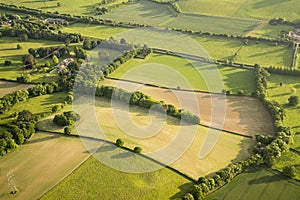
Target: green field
(36, 167)
(273, 32)
(256, 9)
(9, 51)
(234, 79)
(287, 159)
(74, 7)
(100, 181)
(39, 106)
(90, 30)
(141, 12)
(259, 184)
(212, 24)
(290, 87)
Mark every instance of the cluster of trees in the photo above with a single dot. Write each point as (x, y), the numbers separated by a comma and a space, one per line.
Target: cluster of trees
(43, 52)
(66, 119)
(284, 71)
(145, 101)
(293, 100)
(205, 185)
(276, 21)
(17, 132)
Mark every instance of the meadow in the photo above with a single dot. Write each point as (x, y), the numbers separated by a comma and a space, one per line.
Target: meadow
(146, 71)
(98, 180)
(281, 94)
(288, 159)
(261, 183)
(42, 151)
(9, 51)
(212, 24)
(271, 31)
(40, 106)
(95, 31)
(7, 87)
(255, 9)
(141, 12)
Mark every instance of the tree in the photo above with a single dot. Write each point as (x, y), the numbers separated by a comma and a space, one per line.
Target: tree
(19, 46)
(23, 37)
(58, 4)
(29, 61)
(67, 130)
(293, 100)
(290, 171)
(188, 196)
(137, 149)
(7, 62)
(25, 116)
(119, 142)
(55, 59)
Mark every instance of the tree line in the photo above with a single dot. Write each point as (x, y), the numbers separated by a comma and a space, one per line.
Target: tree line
(145, 101)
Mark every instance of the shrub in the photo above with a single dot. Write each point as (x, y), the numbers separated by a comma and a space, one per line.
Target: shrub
(240, 93)
(19, 46)
(137, 149)
(293, 100)
(7, 62)
(119, 142)
(67, 130)
(289, 171)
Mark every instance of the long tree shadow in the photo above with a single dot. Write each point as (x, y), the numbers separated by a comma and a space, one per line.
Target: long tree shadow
(267, 3)
(268, 179)
(183, 190)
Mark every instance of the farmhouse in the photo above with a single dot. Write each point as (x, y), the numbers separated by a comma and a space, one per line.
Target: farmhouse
(61, 66)
(55, 20)
(295, 35)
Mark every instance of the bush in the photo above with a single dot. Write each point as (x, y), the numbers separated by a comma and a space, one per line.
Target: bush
(137, 149)
(67, 130)
(119, 142)
(293, 100)
(56, 108)
(19, 46)
(240, 93)
(289, 171)
(7, 62)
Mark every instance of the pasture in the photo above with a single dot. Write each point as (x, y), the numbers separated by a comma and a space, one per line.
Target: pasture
(281, 94)
(41, 152)
(247, 120)
(100, 181)
(255, 9)
(212, 24)
(273, 32)
(146, 71)
(9, 51)
(7, 87)
(95, 31)
(141, 12)
(73, 7)
(258, 184)
(40, 106)
(287, 159)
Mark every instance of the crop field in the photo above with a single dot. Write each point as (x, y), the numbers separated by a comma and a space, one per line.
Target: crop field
(9, 87)
(141, 12)
(236, 120)
(255, 9)
(213, 24)
(98, 179)
(42, 151)
(259, 184)
(90, 30)
(146, 71)
(281, 94)
(39, 106)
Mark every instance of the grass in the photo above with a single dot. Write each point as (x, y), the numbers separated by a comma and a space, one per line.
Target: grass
(36, 167)
(259, 184)
(141, 12)
(100, 181)
(7, 87)
(90, 30)
(290, 87)
(39, 106)
(273, 32)
(255, 9)
(153, 70)
(9, 51)
(287, 159)
(213, 24)
(74, 7)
